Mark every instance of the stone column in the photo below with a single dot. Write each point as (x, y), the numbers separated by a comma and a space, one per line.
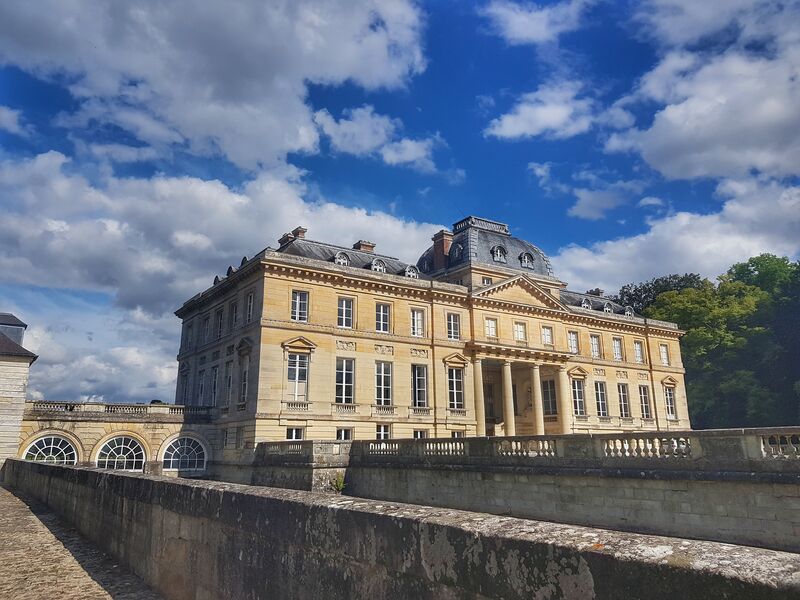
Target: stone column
(480, 414)
(564, 401)
(536, 399)
(508, 400)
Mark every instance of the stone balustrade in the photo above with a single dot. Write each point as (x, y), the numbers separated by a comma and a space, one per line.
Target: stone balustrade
(96, 409)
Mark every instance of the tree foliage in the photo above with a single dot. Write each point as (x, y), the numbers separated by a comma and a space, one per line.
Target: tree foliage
(741, 349)
(641, 295)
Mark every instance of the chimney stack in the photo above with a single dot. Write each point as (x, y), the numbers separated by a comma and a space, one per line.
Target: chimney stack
(364, 246)
(299, 232)
(441, 249)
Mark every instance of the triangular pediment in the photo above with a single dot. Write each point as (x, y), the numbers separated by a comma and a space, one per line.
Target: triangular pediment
(456, 359)
(578, 373)
(299, 344)
(520, 290)
(669, 381)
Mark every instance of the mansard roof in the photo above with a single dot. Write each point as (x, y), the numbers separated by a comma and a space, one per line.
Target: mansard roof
(10, 320)
(9, 347)
(596, 302)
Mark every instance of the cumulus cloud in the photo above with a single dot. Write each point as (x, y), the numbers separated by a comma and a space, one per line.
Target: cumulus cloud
(528, 23)
(555, 111)
(650, 201)
(10, 121)
(212, 78)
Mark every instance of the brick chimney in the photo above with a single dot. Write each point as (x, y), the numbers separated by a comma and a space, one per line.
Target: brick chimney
(299, 232)
(285, 239)
(364, 246)
(441, 248)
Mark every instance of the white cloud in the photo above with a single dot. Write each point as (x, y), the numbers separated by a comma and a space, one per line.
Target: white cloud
(123, 154)
(528, 23)
(416, 153)
(594, 204)
(554, 111)
(650, 201)
(756, 217)
(213, 78)
(10, 121)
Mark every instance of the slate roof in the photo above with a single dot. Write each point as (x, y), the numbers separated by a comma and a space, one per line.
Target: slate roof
(597, 302)
(9, 347)
(476, 238)
(327, 252)
(11, 320)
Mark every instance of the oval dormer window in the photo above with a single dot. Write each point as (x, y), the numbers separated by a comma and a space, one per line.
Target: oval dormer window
(499, 254)
(608, 308)
(526, 260)
(628, 311)
(586, 303)
(456, 252)
(341, 259)
(378, 266)
(412, 272)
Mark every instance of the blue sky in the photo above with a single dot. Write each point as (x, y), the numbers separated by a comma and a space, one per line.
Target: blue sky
(142, 151)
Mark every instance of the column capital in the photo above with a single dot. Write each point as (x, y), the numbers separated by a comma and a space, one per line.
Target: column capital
(535, 366)
(507, 362)
(477, 360)
(562, 368)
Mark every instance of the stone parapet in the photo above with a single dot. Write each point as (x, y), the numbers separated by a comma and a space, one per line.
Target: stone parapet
(87, 411)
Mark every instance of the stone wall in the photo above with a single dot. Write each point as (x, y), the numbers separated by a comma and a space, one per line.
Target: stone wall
(193, 540)
(13, 382)
(738, 486)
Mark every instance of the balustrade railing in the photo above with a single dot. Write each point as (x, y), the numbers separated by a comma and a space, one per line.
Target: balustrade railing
(117, 409)
(781, 445)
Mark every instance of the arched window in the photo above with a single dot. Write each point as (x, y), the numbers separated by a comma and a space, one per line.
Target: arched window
(123, 453)
(341, 259)
(526, 260)
(412, 272)
(628, 311)
(184, 454)
(586, 303)
(608, 308)
(456, 252)
(52, 449)
(499, 254)
(379, 266)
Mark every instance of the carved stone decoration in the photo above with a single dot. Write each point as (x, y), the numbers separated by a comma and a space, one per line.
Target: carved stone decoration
(622, 374)
(419, 352)
(345, 345)
(382, 349)
(642, 376)
(598, 371)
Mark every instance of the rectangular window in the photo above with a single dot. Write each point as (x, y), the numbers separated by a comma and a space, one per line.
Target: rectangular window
(644, 401)
(226, 438)
(233, 316)
(601, 398)
(624, 401)
(383, 432)
(578, 401)
(249, 305)
(616, 344)
(520, 332)
(420, 434)
(214, 380)
(638, 352)
(487, 281)
(218, 320)
(419, 386)
(547, 335)
(228, 382)
(184, 389)
(669, 400)
(244, 376)
(240, 437)
(294, 433)
(299, 306)
(549, 397)
(453, 326)
(344, 434)
(456, 434)
(201, 387)
(383, 315)
(345, 313)
(455, 387)
(417, 322)
(297, 378)
(664, 350)
(187, 342)
(490, 327)
(594, 342)
(345, 379)
(206, 329)
(572, 340)
(383, 383)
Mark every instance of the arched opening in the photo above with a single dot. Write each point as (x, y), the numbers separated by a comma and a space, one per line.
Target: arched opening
(184, 454)
(123, 453)
(53, 449)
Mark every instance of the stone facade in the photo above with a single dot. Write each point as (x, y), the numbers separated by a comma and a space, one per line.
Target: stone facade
(462, 347)
(15, 362)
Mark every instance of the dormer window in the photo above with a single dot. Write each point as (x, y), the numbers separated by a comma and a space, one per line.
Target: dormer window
(378, 266)
(341, 259)
(499, 254)
(426, 265)
(526, 260)
(608, 308)
(412, 272)
(456, 252)
(628, 311)
(586, 303)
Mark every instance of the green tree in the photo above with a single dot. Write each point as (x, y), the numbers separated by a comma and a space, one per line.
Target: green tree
(641, 295)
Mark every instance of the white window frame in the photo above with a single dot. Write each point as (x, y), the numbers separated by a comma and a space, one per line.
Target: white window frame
(663, 351)
(490, 327)
(616, 345)
(184, 454)
(520, 331)
(573, 341)
(206, 328)
(644, 402)
(418, 322)
(383, 431)
(420, 434)
(219, 321)
(596, 346)
(244, 378)
(383, 383)
(299, 309)
(456, 434)
(233, 315)
(670, 403)
(486, 281)
(249, 305)
(638, 351)
(624, 400)
(453, 326)
(578, 397)
(295, 434)
(549, 400)
(344, 434)
(455, 388)
(344, 312)
(297, 364)
(547, 335)
(419, 386)
(345, 390)
(601, 398)
(383, 317)
(214, 384)
(342, 259)
(228, 382)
